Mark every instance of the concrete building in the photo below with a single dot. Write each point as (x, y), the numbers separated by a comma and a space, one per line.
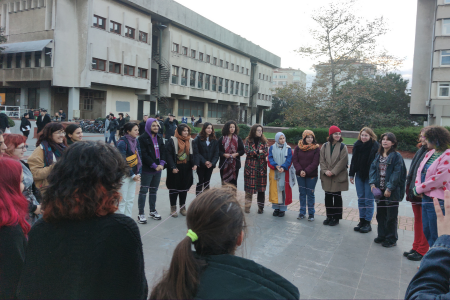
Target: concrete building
(430, 90)
(139, 57)
(286, 76)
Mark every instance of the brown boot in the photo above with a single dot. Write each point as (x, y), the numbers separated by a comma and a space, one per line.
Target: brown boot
(183, 211)
(248, 202)
(173, 211)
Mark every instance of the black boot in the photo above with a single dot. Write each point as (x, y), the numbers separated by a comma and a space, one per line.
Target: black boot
(327, 221)
(366, 227)
(334, 222)
(360, 224)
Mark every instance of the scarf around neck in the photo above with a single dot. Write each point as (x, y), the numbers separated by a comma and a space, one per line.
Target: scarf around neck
(183, 145)
(307, 147)
(132, 141)
(51, 150)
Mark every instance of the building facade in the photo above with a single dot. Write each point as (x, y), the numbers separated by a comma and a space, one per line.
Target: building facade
(430, 90)
(93, 57)
(286, 76)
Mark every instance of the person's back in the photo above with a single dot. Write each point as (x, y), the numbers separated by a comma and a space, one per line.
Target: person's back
(81, 249)
(84, 259)
(3, 122)
(212, 271)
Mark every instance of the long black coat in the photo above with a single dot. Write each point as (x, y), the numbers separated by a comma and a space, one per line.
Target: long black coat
(206, 153)
(42, 121)
(148, 154)
(182, 180)
(232, 277)
(240, 150)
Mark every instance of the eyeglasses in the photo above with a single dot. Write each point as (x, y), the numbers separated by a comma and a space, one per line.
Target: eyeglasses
(23, 147)
(60, 133)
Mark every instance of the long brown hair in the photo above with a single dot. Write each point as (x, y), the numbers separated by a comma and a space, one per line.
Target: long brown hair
(47, 134)
(422, 131)
(252, 134)
(203, 134)
(217, 219)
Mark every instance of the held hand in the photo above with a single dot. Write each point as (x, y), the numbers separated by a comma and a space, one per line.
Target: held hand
(303, 174)
(281, 170)
(235, 155)
(137, 178)
(161, 167)
(387, 194)
(443, 222)
(226, 155)
(194, 168)
(38, 210)
(352, 180)
(175, 171)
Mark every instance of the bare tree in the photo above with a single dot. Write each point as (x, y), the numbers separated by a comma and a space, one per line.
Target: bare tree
(2, 38)
(345, 47)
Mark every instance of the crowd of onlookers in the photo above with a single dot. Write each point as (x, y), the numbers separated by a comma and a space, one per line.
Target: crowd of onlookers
(65, 212)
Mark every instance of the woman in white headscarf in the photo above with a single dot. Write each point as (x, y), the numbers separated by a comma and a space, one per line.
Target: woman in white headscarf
(280, 159)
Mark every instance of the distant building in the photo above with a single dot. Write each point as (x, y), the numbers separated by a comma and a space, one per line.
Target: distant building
(430, 94)
(137, 57)
(286, 76)
(345, 73)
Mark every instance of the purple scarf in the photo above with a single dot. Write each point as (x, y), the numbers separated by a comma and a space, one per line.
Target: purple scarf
(49, 150)
(133, 146)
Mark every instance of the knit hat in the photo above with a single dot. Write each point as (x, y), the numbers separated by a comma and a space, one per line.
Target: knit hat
(333, 129)
(308, 132)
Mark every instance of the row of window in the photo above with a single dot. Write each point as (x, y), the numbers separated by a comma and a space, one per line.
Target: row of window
(215, 61)
(209, 82)
(264, 97)
(17, 60)
(116, 27)
(114, 67)
(193, 108)
(265, 77)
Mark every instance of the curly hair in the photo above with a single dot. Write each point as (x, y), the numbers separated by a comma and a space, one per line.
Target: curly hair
(47, 134)
(84, 182)
(252, 134)
(438, 136)
(226, 128)
(203, 135)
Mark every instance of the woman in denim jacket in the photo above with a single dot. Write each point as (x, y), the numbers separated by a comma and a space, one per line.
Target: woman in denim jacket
(388, 173)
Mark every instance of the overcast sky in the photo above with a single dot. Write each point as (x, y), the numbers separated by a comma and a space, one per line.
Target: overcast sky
(281, 26)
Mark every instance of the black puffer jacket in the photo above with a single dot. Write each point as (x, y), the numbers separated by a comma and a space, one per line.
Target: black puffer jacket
(233, 277)
(206, 153)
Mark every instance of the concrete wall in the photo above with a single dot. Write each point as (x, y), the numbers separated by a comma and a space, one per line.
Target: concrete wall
(423, 55)
(192, 21)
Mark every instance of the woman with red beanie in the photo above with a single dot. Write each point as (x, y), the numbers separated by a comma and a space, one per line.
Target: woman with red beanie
(334, 174)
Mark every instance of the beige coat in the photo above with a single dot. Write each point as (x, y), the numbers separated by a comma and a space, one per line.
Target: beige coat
(40, 173)
(337, 164)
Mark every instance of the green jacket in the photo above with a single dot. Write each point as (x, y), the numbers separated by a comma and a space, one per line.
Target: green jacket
(232, 277)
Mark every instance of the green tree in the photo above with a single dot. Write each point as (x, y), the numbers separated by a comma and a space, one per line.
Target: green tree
(276, 111)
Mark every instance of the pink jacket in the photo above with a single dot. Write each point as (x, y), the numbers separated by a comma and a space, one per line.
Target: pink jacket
(437, 179)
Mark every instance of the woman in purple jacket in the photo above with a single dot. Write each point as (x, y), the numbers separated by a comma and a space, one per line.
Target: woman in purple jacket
(306, 163)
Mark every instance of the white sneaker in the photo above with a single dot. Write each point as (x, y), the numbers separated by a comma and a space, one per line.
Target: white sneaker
(154, 215)
(142, 219)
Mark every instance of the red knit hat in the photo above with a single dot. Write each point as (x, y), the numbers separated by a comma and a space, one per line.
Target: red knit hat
(334, 129)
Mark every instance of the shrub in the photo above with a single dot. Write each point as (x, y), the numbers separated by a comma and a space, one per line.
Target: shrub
(11, 122)
(276, 123)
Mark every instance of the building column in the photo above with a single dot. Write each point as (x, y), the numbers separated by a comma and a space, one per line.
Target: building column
(23, 99)
(175, 108)
(45, 98)
(73, 110)
(205, 111)
(261, 116)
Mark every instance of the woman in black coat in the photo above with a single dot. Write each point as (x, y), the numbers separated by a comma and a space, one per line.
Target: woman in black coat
(25, 125)
(231, 148)
(364, 152)
(208, 155)
(181, 161)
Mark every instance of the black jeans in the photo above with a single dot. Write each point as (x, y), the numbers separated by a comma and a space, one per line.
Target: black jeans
(333, 203)
(204, 177)
(387, 214)
(26, 133)
(173, 195)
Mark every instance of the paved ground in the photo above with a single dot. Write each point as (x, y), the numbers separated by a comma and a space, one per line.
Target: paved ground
(323, 262)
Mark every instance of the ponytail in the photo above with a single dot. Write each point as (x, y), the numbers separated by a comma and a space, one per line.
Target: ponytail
(218, 234)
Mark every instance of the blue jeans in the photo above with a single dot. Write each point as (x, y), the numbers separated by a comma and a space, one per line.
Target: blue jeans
(149, 182)
(365, 198)
(112, 137)
(429, 219)
(306, 187)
